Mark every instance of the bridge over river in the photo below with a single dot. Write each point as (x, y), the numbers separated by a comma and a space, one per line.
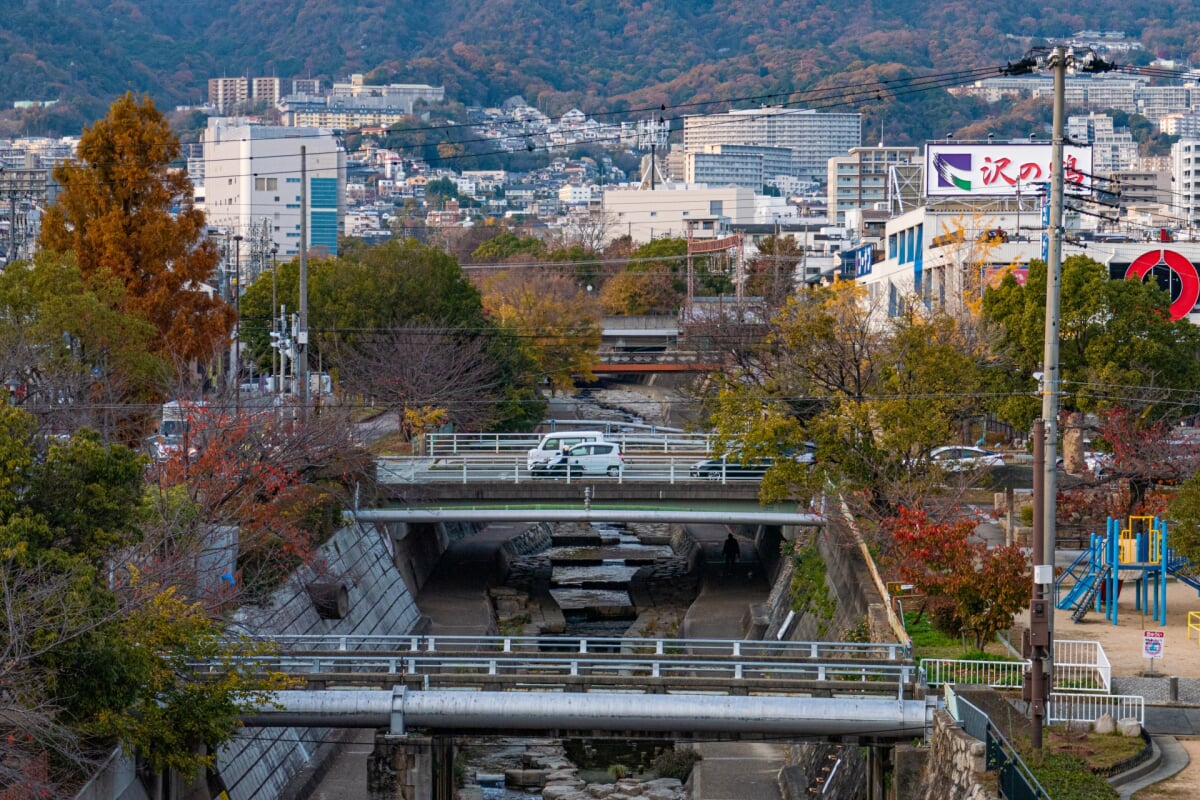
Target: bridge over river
(678, 687)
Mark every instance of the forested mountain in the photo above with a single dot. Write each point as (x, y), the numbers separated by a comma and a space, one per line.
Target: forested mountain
(599, 55)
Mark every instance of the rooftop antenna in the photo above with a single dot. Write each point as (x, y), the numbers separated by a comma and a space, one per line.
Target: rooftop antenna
(652, 134)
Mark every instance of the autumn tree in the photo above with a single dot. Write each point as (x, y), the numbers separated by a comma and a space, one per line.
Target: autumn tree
(280, 483)
(551, 316)
(874, 395)
(651, 283)
(974, 589)
(117, 213)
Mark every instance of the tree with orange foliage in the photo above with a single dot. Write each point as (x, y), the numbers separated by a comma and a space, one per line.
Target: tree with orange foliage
(552, 317)
(979, 588)
(115, 214)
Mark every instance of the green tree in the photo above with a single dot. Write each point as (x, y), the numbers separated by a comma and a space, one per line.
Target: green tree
(117, 213)
(506, 245)
(372, 292)
(874, 395)
(1119, 346)
(77, 356)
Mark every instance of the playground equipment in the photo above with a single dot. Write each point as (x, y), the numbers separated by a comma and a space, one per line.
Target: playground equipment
(1137, 553)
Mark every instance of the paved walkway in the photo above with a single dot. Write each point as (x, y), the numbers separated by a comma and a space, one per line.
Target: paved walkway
(454, 598)
(730, 770)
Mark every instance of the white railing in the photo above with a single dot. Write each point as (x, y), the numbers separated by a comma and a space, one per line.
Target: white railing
(1074, 707)
(707, 648)
(1079, 666)
(640, 441)
(997, 674)
(878, 678)
(640, 467)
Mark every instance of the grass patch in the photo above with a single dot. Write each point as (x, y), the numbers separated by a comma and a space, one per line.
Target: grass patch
(808, 591)
(391, 444)
(929, 642)
(1072, 763)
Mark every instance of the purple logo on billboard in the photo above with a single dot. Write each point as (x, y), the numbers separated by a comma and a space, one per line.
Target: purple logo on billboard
(953, 170)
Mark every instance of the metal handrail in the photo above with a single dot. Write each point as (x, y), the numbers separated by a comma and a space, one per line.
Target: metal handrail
(465, 668)
(710, 648)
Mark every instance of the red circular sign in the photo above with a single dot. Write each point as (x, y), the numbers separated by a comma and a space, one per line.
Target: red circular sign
(1189, 280)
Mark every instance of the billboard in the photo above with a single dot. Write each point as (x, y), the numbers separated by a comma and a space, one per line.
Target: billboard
(959, 170)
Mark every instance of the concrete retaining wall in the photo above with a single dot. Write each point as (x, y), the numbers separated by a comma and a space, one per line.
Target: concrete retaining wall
(850, 587)
(381, 568)
(955, 767)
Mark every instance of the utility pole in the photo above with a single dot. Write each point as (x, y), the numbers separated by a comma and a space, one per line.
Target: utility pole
(1045, 435)
(300, 368)
(274, 327)
(237, 339)
(1051, 380)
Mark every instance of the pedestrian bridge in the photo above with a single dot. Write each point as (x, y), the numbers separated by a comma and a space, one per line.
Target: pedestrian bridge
(678, 686)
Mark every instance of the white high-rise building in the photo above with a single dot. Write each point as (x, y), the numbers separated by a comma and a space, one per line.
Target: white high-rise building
(252, 175)
(814, 137)
(1112, 150)
(1185, 177)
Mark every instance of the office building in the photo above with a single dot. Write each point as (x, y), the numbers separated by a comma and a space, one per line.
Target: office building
(252, 175)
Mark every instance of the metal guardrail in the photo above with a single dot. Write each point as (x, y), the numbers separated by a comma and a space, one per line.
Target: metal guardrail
(518, 645)
(1079, 666)
(997, 674)
(1072, 707)
(1016, 780)
(627, 671)
(511, 468)
(650, 440)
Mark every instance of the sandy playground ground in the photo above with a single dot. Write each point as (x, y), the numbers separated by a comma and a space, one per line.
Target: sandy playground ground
(1123, 643)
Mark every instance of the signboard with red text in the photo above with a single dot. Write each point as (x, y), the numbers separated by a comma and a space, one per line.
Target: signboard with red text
(956, 170)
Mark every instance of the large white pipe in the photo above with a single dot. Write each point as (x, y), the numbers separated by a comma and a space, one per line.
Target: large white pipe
(583, 515)
(549, 711)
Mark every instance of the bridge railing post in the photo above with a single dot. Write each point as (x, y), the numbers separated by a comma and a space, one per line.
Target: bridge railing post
(516, 470)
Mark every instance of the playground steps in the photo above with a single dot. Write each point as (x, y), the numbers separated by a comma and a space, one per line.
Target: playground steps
(1083, 585)
(1094, 582)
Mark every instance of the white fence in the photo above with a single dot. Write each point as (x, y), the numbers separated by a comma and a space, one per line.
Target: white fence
(1075, 707)
(1079, 666)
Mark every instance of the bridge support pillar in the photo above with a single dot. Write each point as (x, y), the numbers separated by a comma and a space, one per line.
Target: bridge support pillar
(411, 767)
(879, 766)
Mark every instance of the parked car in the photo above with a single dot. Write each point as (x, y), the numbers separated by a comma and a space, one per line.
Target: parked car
(553, 445)
(731, 469)
(961, 459)
(582, 460)
(733, 466)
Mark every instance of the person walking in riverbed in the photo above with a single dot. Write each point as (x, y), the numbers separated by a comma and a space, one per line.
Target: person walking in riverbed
(732, 551)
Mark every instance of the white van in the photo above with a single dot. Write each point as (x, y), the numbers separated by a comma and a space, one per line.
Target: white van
(556, 444)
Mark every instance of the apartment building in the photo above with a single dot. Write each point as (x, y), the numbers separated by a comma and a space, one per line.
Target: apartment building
(861, 179)
(252, 175)
(813, 137)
